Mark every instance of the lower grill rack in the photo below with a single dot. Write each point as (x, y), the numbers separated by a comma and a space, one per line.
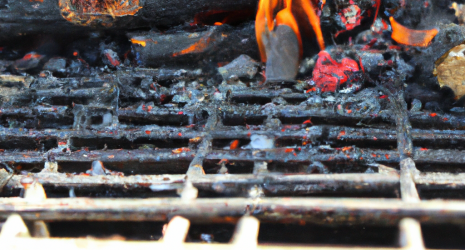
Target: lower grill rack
(175, 232)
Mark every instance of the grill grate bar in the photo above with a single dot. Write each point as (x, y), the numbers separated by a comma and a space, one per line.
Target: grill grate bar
(410, 234)
(408, 190)
(272, 184)
(314, 182)
(284, 210)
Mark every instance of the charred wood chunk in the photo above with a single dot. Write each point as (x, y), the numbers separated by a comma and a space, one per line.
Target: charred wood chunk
(216, 44)
(242, 67)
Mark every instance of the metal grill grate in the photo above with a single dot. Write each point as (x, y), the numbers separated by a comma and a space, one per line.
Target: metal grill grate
(379, 171)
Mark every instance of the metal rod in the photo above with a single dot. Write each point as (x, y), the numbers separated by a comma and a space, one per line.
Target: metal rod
(284, 210)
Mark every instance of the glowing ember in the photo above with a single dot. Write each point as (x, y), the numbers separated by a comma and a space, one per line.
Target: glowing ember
(140, 42)
(404, 35)
(234, 144)
(329, 74)
(351, 16)
(199, 46)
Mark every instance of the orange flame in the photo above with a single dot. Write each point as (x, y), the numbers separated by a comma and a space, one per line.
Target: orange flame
(269, 12)
(314, 21)
(260, 24)
(285, 17)
(404, 35)
(140, 42)
(264, 21)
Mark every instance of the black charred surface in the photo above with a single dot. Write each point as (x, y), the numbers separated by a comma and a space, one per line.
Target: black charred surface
(38, 17)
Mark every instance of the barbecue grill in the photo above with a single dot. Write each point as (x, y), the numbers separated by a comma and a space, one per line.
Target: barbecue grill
(326, 174)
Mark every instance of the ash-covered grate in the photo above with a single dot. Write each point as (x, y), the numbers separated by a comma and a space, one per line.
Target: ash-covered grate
(105, 155)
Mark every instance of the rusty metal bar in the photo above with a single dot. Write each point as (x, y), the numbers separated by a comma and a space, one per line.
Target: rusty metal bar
(439, 156)
(335, 133)
(446, 179)
(284, 210)
(176, 231)
(276, 183)
(246, 234)
(410, 234)
(231, 184)
(408, 189)
(98, 244)
(117, 155)
(306, 155)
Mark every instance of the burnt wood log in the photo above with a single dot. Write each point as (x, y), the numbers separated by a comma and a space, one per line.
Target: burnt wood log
(21, 17)
(216, 44)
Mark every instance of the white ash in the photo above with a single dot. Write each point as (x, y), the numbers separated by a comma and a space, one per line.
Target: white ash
(260, 142)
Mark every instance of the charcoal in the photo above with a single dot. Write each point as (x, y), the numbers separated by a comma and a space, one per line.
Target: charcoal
(5, 64)
(372, 62)
(56, 65)
(443, 97)
(433, 106)
(415, 105)
(181, 98)
(110, 58)
(408, 13)
(242, 67)
(365, 102)
(79, 67)
(29, 61)
(347, 18)
(215, 44)
(315, 101)
(457, 110)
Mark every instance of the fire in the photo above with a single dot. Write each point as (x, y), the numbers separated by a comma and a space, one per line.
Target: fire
(404, 35)
(140, 42)
(265, 21)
